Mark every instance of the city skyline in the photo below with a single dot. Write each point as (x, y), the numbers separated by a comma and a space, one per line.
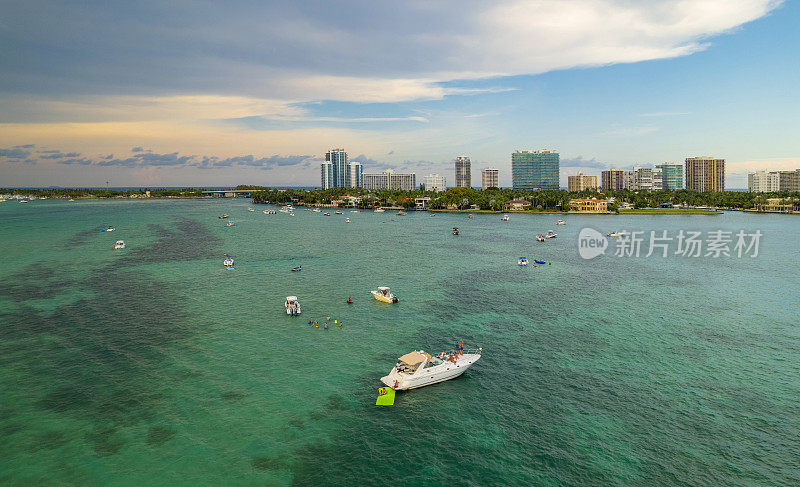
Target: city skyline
(139, 102)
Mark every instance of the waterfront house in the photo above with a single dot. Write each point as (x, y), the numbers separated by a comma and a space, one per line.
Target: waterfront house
(517, 205)
(588, 205)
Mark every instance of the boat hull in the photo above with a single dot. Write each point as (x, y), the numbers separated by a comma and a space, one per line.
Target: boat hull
(383, 298)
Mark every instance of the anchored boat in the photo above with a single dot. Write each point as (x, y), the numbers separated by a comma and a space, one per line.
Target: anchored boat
(419, 369)
(292, 306)
(523, 261)
(504, 219)
(383, 294)
(119, 245)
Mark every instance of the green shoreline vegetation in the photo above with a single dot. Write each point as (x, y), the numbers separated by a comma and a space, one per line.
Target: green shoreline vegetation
(453, 199)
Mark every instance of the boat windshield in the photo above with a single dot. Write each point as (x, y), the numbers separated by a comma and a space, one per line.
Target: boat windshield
(433, 362)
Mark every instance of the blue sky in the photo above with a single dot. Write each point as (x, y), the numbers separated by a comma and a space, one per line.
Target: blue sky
(256, 92)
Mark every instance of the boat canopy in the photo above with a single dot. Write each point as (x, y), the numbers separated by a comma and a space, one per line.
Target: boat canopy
(414, 358)
(291, 298)
(383, 288)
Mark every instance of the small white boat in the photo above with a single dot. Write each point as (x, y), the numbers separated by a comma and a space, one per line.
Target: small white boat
(615, 234)
(119, 245)
(419, 369)
(401, 213)
(347, 221)
(550, 234)
(284, 210)
(471, 216)
(223, 216)
(455, 230)
(228, 263)
(69, 199)
(23, 201)
(292, 306)
(316, 210)
(504, 219)
(110, 229)
(379, 210)
(561, 222)
(228, 224)
(523, 261)
(326, 214)
(250, 209)
(383, 294)
(338, 212)
(540, 238)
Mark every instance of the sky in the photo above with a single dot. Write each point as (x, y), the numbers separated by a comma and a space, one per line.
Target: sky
(209, 93)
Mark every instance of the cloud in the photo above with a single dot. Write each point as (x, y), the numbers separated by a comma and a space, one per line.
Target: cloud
(137, 149)
(631, 131)
(25, 146)
(14, 153)
(57, 154)
(301, 53)
(579, 161)
(664, 114)
(265, 162)
(76, 161)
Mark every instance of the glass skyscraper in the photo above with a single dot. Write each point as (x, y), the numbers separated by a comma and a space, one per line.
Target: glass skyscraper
(338, 160)
(534, 169)
(672, 176)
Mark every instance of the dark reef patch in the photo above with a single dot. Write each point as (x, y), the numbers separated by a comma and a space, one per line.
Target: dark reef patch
(158, 435)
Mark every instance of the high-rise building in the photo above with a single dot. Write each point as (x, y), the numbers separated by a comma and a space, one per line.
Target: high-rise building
(463, 174)
(773, 181)
(338, 160)
(705, 174)
(490, 178)
(389, 180)
(612, 179)
(534, 169)
(672, 176)
(581, 182)
(434, 182)
(326, 170)
(354, 171)
(644, 179)
(629, 180)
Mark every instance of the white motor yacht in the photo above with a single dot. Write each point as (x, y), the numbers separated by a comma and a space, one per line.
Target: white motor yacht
(561, 222)
(504, 219)
(379, 210)
(523, 261)
(550, 234)
(418, 368)
(347, 221)
(228, 262)
(316, 210)
(119, 245)
(540, 238)
(250, 209)
(292, 306)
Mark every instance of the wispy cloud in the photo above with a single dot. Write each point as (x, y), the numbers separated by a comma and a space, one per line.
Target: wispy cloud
(664, 114)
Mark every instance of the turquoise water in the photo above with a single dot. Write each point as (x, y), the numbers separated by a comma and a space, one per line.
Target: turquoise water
(153, 365)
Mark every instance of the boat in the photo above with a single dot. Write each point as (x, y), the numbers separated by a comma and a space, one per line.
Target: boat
(418, 368)
(338, 212)
(432, 214)
(615, 234)
(349, 300)
(228, 224)
(347, 221)
(326, 214)
(306, 209)
(504, 219)
(383, 294)
(228, 262)
(69, 200)
(109, 229)
(297, 269)
(471, 216)
(316, 210)
(561, 222)
(270, 212)
(119, 245)
(250, 209)
(401, 213)
(354, 211)
(284, 210)
(539, 261)
(223, 216)
(523, 261)
(540, 238)
(455, 230)
(292, 306)
(23, 201)
(379, 210)
(550, 234)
